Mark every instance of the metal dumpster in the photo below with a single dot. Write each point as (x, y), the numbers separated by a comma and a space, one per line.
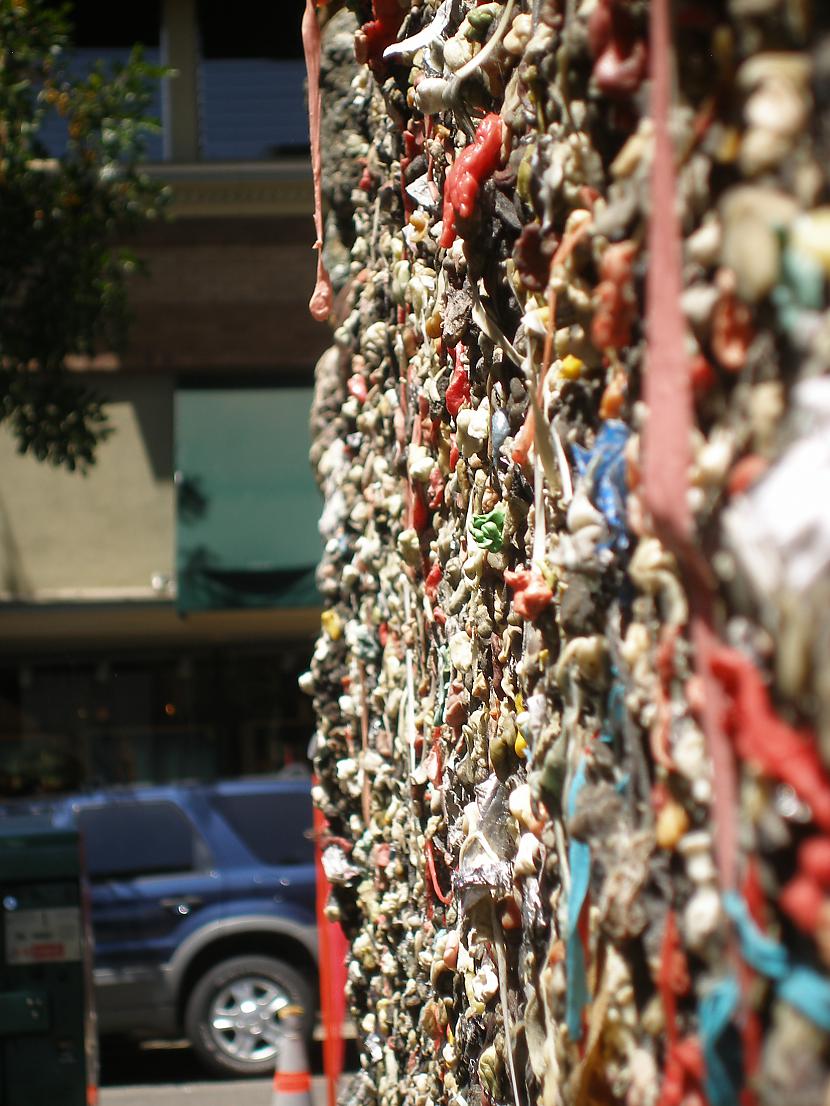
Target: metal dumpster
(48, 1050)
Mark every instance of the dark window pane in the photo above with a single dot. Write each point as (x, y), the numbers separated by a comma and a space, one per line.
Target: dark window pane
(85, 720)
(275, 828)
(133, 839)
(102, 23)
(252, 81)
(252, 109)
(263, 29)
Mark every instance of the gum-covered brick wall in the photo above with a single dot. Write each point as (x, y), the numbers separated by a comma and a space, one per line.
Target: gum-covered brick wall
(573, 678)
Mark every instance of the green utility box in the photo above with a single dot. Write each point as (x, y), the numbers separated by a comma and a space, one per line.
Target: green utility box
(48, 1055)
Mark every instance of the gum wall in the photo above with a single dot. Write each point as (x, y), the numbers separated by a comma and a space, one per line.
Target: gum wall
(572, 683)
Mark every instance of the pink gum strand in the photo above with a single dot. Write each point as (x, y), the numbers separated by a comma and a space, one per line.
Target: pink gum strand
(323, 296)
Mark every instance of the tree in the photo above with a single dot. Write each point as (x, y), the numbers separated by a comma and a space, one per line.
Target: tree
(63, 271)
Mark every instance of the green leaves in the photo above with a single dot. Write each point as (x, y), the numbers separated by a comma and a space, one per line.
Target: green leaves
(53, 416)
(62, 269)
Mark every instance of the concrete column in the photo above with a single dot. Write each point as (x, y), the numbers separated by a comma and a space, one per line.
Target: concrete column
(180, 99)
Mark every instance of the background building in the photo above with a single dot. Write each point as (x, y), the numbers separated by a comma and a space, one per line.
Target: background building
(154, 614)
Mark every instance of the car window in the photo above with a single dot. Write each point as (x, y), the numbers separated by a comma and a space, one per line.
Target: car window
(132, 839)
(276, 828)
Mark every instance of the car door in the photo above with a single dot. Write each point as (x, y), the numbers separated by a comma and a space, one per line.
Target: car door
(150, 872)
(276, 874)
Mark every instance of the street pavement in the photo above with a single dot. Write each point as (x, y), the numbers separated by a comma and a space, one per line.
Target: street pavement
(248, 1092)
(165, 1074)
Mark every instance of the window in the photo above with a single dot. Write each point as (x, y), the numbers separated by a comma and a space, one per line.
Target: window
(93, 719)
(127, 839)
(100, 24)
(262, 29)
(103, 31)
(274, 828)
(252, 80)
(247, 504)
(240, 89)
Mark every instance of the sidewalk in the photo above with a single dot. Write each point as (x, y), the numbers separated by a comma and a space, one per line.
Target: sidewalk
(247, 1092)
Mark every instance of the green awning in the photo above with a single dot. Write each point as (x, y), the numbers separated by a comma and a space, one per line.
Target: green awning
(246, 504)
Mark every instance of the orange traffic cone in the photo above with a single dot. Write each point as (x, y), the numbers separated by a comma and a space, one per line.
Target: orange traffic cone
(292, 1079)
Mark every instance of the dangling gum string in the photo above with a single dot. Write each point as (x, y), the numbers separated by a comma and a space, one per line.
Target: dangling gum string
(501, 962)
(667, 980)
(321, 298)
(528, 432)
(667, 447)
(660, 731)
(751, 1031)
(667, 386)
(668, 395)
(365, 797)
(563, 251)
(429, 849)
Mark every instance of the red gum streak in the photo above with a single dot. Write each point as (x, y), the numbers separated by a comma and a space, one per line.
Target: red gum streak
(439, 894)
(745, 472)
(413, 142)
(520, 452)
(454, 454)
(804, 896)
(531, 594)
(524, 439)
(802, 900)
(357, 388)
(469, 171)
(436, 489)
(815, 859)
(432, 582)
(616, 303)
(682, 1074)
(667, 976)
(382, 30)
(458, 391)
(526, 435)
(760, 736)
(420, 513)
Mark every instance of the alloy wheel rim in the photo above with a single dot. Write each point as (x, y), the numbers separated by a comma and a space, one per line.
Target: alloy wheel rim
(244, 1018)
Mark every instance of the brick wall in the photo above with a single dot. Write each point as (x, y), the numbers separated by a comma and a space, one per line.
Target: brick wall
(225, 294)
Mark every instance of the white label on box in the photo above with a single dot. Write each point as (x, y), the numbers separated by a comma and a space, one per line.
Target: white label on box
(43, 936)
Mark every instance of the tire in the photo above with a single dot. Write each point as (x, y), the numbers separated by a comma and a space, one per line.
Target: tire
(234, 1041)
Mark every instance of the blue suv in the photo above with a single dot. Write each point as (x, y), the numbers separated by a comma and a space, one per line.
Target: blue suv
(203, 911)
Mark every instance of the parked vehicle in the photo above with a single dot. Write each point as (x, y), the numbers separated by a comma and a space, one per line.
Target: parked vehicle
(203, 915)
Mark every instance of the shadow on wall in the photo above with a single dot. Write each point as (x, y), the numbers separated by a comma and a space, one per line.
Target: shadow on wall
(13, 580)
(155, 423)
(191, 501)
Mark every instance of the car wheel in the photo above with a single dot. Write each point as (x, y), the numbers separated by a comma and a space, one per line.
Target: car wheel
(232, 1015)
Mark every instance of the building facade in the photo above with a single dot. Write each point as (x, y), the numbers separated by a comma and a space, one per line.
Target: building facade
(155, 613)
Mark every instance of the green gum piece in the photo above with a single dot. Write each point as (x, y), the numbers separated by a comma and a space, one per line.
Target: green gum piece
(488, 530)
(479, 20)
(524, 175)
